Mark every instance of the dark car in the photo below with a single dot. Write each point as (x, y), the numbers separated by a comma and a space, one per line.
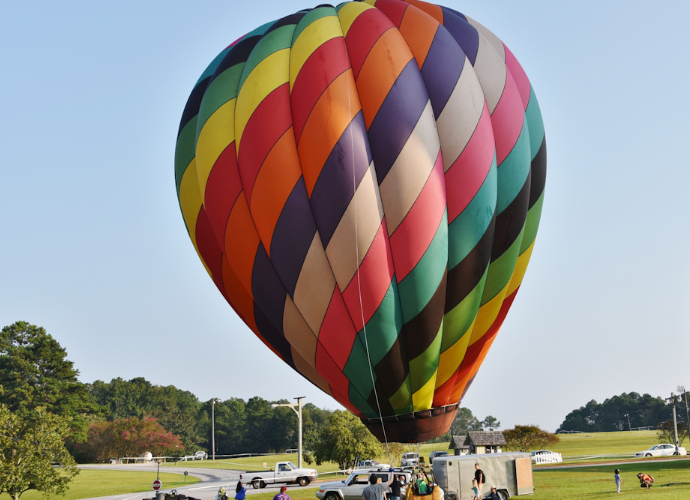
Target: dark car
(435, 454)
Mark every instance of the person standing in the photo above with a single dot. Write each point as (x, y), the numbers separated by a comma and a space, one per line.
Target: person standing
(240, 491)
(282, 495)
(617, 477)
(396, 486)
(480, 477)
(376, 489)
(475, 490)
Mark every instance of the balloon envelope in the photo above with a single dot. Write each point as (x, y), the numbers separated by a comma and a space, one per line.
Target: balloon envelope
(363, 183)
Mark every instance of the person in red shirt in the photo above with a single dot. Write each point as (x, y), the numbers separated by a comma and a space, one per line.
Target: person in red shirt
(282, 495)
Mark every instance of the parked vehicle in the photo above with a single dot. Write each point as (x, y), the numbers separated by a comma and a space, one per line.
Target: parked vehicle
(373, 464)
(200, 455)
(409, 459)
(284, 472)
(510, 472)
(546, 457)
(661, 450)
(435, 454)
(352, 487)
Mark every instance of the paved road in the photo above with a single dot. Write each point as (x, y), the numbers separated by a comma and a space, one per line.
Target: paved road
(211, 481)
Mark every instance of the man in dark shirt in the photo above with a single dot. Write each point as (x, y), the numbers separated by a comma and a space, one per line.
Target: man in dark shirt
(494, 494)
(395, 488)
(480, 477)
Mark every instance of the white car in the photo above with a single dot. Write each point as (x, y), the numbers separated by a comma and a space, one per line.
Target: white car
(661, 450)
(545, 457)
(409, 459)
(373, 464)
(200, 455)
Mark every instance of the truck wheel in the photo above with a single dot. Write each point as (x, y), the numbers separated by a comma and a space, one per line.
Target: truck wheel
(262, 484)
(256, 484)
(331, 496)
(303, 481)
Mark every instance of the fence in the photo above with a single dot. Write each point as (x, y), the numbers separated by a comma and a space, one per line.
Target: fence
(548, 458)
(648, 428)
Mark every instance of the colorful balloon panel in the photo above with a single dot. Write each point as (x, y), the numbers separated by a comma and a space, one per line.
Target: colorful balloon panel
(363, 184)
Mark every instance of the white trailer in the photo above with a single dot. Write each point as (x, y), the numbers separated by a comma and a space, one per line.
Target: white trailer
(510, 472)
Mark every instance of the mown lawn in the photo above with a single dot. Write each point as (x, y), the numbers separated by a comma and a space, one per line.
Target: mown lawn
(672, 481)
(95, 483)
(599, 443)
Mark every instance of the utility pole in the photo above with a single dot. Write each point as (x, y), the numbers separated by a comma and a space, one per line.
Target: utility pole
(297, 408)
(629, 426)
(672, 400)
(213, 428)
(681, 388)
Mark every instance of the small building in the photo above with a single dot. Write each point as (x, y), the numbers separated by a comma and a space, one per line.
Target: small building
(457, 444)
(480, 442)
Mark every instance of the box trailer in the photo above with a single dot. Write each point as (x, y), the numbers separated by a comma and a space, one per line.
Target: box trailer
(511, 473)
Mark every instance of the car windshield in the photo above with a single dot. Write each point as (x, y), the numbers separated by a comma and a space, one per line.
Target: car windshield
(653, 447)
(292, 466)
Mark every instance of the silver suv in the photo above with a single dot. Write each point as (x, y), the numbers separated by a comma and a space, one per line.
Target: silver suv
(352, 487)
(409, 459)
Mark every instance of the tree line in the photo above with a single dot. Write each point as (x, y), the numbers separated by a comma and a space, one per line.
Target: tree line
(126, 417)
(620, 413)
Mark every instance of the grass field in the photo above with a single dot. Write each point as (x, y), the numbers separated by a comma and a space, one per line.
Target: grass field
(95, 483)
(570, 445)
(599, 443)
(672, 481)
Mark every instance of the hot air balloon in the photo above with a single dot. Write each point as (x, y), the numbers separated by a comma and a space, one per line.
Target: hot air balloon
(364, 183)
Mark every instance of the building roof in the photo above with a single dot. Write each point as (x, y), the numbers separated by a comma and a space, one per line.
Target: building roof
(480, 438)
(458, 443)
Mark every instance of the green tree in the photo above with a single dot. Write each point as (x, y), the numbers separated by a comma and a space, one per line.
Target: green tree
(176, 410)
(615, 413)
(29, 449)
(231, 426)
(490, 423)
(666, 432)
(465, 422)
(528, 437)
(344, 438)
(35, 372)
(259, 414)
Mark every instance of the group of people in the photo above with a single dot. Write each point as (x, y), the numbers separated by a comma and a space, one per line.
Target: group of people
(646, 481)
(477, 484)
(377, 488)
(241, 493)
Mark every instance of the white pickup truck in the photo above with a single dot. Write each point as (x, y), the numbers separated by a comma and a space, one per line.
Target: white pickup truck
(284, 472)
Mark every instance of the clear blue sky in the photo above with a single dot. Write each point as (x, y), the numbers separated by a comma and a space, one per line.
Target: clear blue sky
(94, 247)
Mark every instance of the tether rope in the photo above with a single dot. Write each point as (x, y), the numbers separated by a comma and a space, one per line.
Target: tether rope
(359, 283)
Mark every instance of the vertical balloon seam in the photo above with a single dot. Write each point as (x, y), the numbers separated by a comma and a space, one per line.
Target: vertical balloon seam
(298, 310)
(415, 362)
(468, 334)
(439, 113)
(399, 298)
(360, 334)
(315, 14)
(292, 79)
(288, 342)
(422, 58)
